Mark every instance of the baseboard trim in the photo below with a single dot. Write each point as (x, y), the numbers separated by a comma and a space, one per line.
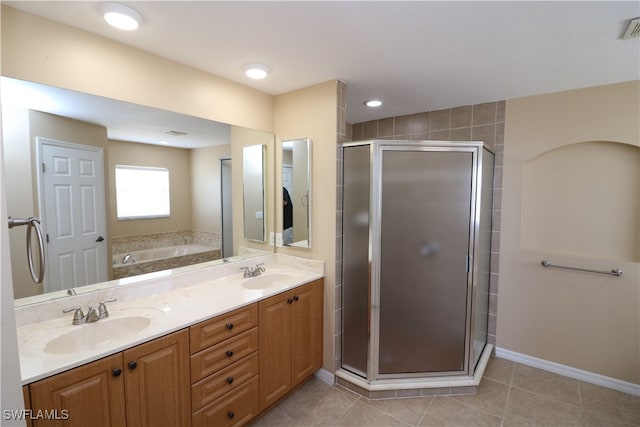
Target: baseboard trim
(568, 371)
(325, 376)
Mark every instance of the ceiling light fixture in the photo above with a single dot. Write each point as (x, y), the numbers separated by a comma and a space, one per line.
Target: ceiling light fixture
(373, 103)
(120, 16)
(256, 71)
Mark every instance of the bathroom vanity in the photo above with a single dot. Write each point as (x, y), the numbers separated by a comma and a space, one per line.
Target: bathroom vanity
(171, 364)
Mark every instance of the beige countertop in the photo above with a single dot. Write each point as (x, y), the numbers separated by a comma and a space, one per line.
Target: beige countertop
(150, 310)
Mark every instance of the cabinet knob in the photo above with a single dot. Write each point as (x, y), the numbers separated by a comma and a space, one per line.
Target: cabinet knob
(116, 372)
(229, 380)
(289, 301)
(230, 414)
(296, 297)
(229, 326)
(229, 353)
(132, 365)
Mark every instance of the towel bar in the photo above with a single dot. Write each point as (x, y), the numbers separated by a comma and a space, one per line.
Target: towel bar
(614, 272)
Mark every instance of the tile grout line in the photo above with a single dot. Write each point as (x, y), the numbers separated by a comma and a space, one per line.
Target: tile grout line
(424, 414)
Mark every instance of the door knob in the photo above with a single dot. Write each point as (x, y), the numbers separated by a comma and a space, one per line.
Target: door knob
(99, 239)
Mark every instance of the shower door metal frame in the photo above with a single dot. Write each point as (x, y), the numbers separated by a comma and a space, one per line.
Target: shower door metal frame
(377, 148)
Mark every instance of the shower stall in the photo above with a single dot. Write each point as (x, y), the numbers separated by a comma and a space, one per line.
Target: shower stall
(416, 255)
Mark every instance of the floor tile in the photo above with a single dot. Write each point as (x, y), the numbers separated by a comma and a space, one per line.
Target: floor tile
(546, 383)
(499, 370)
(531, 409)
(491, 397)
(408, 410)
(510, 395)
(605, 405)
(445, 412)
(316, 403)
(363, 414)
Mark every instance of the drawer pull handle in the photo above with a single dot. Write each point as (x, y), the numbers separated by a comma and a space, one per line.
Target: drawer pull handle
(132, 365)
(229, 353)
(229, 326)
(116, 372)
(229, 380)
(289, 301)
(296, 298)
(230, 414)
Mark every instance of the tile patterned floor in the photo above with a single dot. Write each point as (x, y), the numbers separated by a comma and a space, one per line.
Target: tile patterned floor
(509, 395)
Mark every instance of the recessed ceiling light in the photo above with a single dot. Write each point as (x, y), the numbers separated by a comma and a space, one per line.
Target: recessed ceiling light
(373, 103)
(121, 16)
(256, 71)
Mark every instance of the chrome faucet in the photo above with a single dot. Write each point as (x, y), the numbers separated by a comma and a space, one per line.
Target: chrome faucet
(92, 315)
(253, 271)
(128, 257)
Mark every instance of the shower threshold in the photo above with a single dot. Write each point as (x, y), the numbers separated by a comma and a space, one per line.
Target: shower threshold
(449, 385)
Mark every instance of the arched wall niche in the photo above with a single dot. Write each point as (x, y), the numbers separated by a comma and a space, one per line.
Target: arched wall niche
(583, 199)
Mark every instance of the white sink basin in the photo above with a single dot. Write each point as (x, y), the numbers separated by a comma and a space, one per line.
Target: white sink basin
(265, 281)
(95, 334)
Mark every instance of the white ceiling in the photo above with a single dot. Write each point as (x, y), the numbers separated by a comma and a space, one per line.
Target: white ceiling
(416, 56)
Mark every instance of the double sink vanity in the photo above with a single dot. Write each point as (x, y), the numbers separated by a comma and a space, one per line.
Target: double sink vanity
(205, 345)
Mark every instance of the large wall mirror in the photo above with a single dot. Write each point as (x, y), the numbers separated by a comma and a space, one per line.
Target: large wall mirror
(296, 193)
(61, 151)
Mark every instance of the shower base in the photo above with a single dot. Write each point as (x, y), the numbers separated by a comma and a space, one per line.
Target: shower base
(449, 385)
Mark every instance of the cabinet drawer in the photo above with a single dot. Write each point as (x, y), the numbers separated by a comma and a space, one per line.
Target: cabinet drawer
(224, 354)
(234, 409)
(224, 381)
(223, 327)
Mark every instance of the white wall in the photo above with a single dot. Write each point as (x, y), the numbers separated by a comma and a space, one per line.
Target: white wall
(10, 396)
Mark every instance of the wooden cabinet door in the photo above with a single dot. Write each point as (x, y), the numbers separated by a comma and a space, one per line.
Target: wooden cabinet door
(274, 348)
(306, 331)
(91, 395)
(157, 382)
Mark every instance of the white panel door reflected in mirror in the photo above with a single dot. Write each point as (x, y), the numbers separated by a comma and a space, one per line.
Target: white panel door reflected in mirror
(296, 193)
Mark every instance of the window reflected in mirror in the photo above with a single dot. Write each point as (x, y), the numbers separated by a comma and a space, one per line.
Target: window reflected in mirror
(296, 193)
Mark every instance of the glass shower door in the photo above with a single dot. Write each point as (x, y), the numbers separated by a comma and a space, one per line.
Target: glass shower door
(425, 202)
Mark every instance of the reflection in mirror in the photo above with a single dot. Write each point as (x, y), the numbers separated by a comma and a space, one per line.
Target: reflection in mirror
(253, 182)
(38, 119)
(296, 193)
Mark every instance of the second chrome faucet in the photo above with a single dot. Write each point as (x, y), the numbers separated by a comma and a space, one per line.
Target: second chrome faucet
(253, 271)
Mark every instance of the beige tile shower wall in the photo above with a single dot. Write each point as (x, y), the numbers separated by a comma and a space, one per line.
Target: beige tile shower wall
(480, 122)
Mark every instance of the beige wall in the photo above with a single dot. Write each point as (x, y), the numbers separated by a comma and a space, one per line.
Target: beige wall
(44, 51)
(178, 161)
(587, 321)
(206, 187)
(20, 162)
(311, 112)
